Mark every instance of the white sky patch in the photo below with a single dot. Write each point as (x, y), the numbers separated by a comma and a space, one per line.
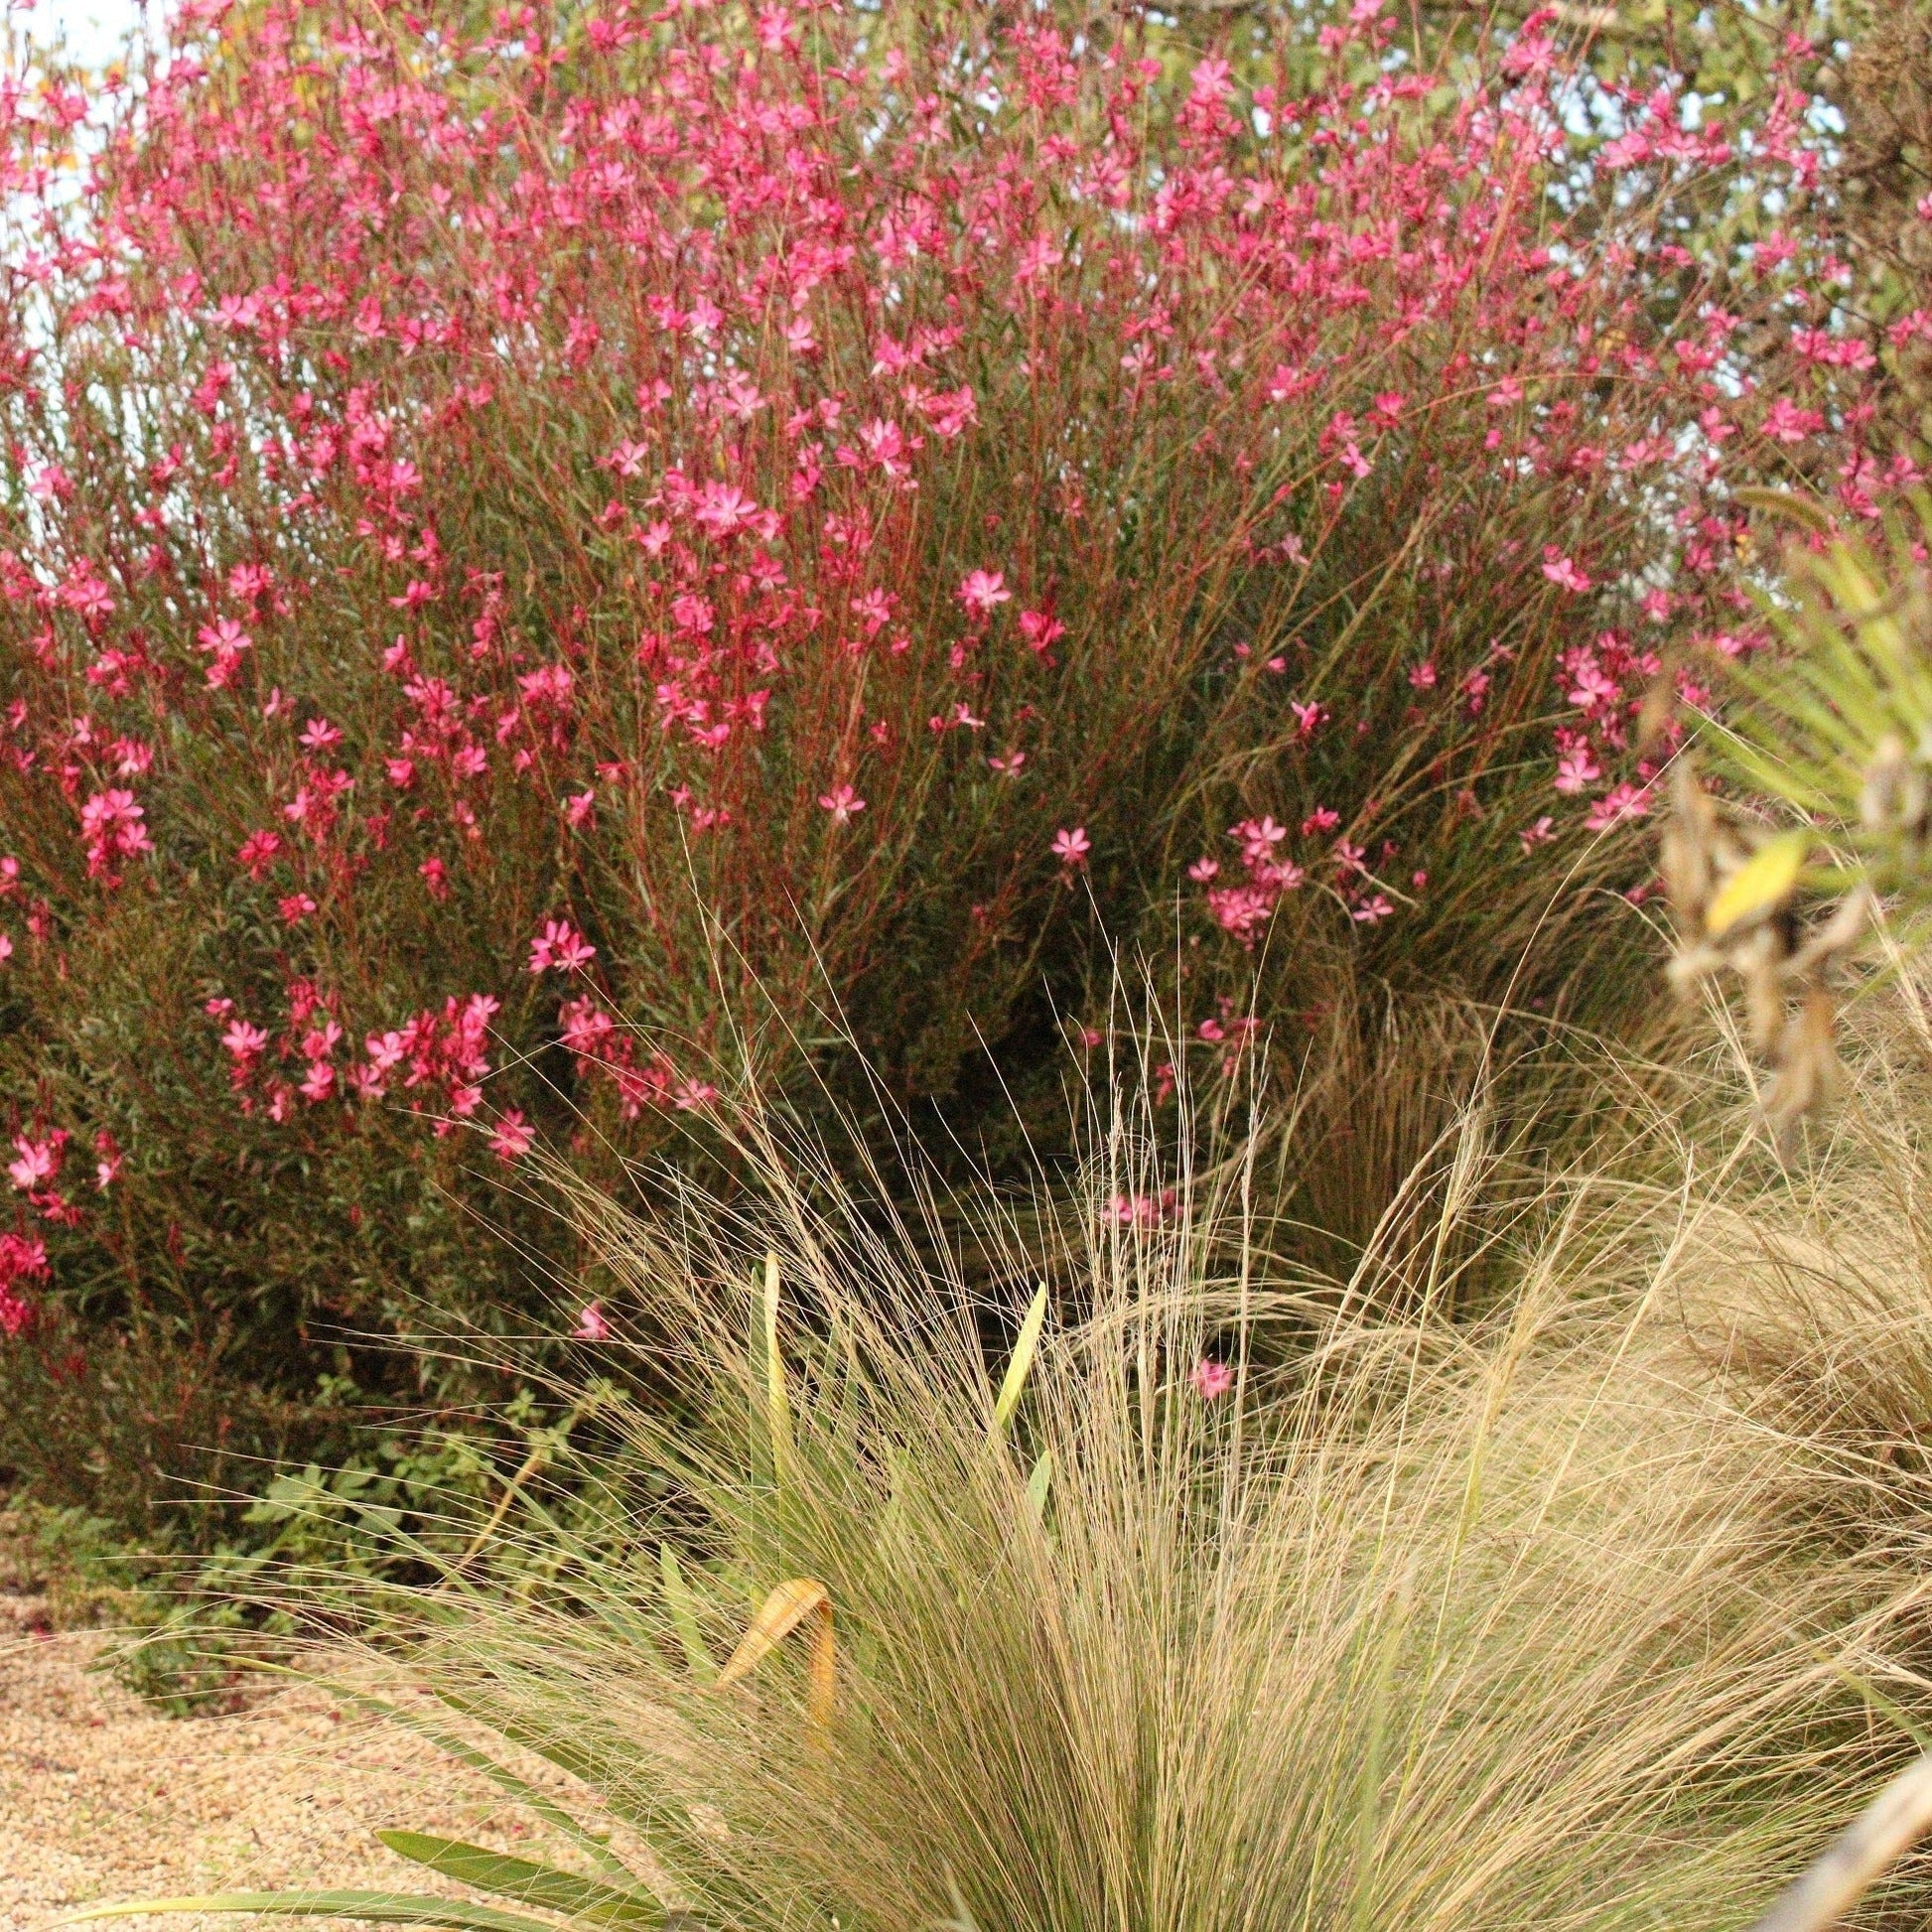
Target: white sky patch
(95, 31)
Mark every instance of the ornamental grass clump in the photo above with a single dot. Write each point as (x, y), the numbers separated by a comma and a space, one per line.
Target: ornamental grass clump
(1062, 1611)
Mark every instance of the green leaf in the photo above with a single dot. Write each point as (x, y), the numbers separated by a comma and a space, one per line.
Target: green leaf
(504, 1779)
(380, 1907)
(1038, 1484)
(1023, 1350)
(684, 1615)
(541, 1886)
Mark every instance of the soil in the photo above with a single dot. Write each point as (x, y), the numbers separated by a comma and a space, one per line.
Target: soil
(103, 1797)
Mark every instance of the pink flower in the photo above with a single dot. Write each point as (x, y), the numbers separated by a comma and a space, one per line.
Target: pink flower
(591, 1324)
(40, 1161)
(1561, 572)
(256, 853)
(1538, 834)
(841, 801)
(1259, 837)
(1070, 848)
(1785, 422)
(1042, 629)
(1372, 911)
(1626, 802)
(982, 591)
(295, 907)
(724, 509)
(224, 642)
(6, 946)
(1239, 910)
(244, 1042)
(1211, 1379)
(319, 1082)
(1576, 768)
(560, 947)
(512, 1141)
(111, 824)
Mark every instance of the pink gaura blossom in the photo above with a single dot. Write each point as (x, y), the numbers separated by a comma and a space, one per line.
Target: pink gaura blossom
(591, 1324)
(1071, 846)
(513, 1139)
(982, 592)
(242, 1043)
(1617, 807)
(1540, 833)
(842, 802)
(1561, 572)
(1041, 630)
(1577, 769)
(560, 947)
(1240, 910)
(1211, 1379)
(1141, 1211)
(257, 853)
(39, 1160)
(1258, 837)
(223, 641)
(110, 825)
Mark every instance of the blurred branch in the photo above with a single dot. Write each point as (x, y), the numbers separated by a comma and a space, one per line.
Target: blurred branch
(1847, 1867)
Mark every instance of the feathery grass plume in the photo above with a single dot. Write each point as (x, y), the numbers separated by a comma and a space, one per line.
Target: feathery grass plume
(1808, 1285)
(1476, 1625)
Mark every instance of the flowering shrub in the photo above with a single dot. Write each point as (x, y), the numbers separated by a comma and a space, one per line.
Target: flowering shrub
(541, 554)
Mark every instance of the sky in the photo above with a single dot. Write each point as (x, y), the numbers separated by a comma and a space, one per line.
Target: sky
(94, 29)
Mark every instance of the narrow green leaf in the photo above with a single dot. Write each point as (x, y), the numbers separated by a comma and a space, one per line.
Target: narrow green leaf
(684, 1615)
(379, 1907)
(529, 1883)
(1023, 1350)
(504, 1779)
(1038, 1484)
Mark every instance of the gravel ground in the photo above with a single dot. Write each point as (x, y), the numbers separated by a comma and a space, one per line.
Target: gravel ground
(101, 1797)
